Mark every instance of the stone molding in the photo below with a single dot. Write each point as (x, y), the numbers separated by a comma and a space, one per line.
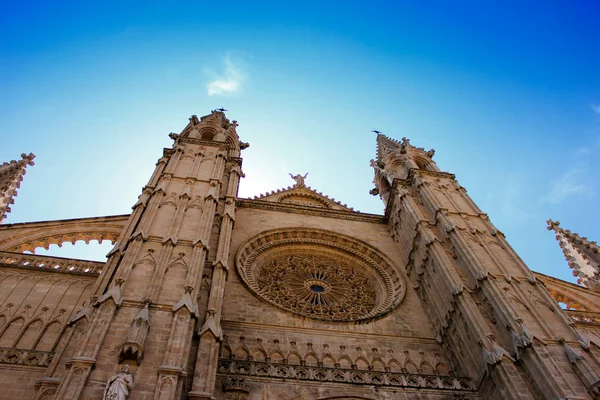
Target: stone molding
(330, 355)
(305, 192)
(289, 241)
(339, 375)
(584, 317)
(33, 358)
(313, 211)
(231, 325)
(28, 236)
(210, 143)
(50, 264)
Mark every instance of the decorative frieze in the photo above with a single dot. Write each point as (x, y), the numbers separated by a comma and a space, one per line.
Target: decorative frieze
(54, 264)
(32, 358)
(339, 375)
(584, 317)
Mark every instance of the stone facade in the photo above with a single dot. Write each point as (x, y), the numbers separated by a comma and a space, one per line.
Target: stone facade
(290, 295)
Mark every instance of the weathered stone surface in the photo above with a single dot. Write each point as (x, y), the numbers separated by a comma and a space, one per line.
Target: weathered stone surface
(290, 295)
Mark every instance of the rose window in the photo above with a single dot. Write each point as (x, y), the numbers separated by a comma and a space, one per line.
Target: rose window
(325, 277)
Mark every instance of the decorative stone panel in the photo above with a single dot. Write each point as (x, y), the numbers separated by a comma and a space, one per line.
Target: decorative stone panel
(25, 357)
(320, 275)
(339, 375)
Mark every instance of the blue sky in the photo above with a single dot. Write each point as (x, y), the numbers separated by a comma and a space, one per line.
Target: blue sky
(507, 93)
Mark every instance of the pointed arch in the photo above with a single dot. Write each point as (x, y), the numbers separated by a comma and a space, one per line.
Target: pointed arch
(394, 365)
(328, 361)
(241, 353)
(312, 360)
(276, 356)
(225, 349)
(49, 336)
(293, 355)
(165, 388)
(378, 364)
(410, 366)
(11, 332)
(259, 354)
(426, 368)
(442, 369)
(361, 363)
(344, 361)
(29, 334)
(139, 276)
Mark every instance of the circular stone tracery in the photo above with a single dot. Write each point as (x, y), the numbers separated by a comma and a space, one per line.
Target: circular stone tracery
(320, 275)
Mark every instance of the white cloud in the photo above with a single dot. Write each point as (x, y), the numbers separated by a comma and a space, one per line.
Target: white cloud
(569, 183)
(229, 81)
(596, 108)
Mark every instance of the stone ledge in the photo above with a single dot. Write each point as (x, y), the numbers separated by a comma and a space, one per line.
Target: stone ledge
(339, 375)
(51, 264)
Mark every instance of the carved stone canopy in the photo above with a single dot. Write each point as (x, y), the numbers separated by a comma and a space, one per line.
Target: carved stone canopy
(320, 275)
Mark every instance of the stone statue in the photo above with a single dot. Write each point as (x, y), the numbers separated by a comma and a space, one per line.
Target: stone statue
(299, 179)
(118, 387)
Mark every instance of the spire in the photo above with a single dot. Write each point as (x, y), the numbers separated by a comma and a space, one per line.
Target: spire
(213, 127)
(11, 175)
(582, 255)
(397, 160)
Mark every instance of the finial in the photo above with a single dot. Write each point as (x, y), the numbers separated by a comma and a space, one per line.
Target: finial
(552, 224)
(299, 179)
(194, 120)
(28, 158)
(376, 131)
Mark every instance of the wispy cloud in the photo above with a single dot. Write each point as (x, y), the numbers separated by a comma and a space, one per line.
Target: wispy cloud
(568, 184)
(228, 81)
(596, 108)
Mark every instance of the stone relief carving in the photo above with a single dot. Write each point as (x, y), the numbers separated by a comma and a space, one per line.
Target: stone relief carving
(25, 357)
(118, 387)
(236, 389)
(356, 359)
(337, 375)
(133, 348)
(55, 264)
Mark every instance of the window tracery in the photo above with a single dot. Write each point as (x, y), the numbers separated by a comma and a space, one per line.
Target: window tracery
(320, 275)
(318, 287)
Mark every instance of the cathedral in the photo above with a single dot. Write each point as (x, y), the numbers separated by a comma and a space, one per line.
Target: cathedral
(291, 294)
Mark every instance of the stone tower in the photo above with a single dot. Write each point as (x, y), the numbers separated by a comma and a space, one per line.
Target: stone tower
(289, 295)
(490, 313)
(148, 299)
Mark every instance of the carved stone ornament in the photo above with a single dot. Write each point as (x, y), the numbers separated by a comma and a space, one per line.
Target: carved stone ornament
(118, 387)
(320, 275)
(133, 348)
(236, 389)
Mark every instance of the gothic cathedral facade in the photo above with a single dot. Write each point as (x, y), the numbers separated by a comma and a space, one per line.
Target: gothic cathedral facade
(290, 295)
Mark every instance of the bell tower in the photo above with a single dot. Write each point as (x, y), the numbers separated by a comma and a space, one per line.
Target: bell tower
(157, 304)
(490, 313)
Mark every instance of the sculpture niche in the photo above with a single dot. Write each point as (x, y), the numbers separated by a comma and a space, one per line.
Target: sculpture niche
(118, 387)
